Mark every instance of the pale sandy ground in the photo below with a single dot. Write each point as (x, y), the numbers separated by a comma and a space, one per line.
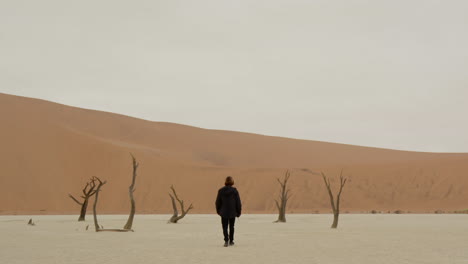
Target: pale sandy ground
(440, 239)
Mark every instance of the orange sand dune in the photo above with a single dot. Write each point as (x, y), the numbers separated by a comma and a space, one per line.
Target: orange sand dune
(48, 150)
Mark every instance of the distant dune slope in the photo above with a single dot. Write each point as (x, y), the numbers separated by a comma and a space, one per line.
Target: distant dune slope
(48, 150)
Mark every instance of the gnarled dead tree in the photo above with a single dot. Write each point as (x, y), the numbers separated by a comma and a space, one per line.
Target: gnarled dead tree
(88, 191)
(96, 197)
(335, 207)
(283, 198)
(131, 189)
(176, 217)
(96, 224)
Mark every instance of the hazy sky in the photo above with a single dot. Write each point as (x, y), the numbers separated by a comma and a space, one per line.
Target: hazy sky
(390, 74)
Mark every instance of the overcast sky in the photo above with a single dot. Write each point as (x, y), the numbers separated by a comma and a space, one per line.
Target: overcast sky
(391, 74)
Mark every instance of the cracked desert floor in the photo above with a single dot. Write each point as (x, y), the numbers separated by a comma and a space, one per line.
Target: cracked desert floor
(382, 238)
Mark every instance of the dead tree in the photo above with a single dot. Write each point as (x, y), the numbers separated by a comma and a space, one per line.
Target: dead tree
(96, 224)
(131, 189)
(96, 196)
(88, 191)
(335, 207)
(283, 198)
(176, 217)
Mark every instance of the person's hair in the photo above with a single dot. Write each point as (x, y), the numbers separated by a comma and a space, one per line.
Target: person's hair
(229, 181)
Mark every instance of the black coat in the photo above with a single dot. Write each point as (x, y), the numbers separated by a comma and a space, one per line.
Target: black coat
(228, 203)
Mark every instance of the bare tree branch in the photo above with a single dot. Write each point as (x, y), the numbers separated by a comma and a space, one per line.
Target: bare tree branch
(88, 191)
(174, 206)
(74, 199)
(175, 216)
(277, 205)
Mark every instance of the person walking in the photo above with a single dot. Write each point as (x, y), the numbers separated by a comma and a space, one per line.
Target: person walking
(228, 206)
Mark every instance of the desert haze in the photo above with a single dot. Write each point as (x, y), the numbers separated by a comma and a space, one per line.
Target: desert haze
(49, 150)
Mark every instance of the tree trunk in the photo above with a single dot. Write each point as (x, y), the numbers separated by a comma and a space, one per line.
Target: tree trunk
(282, 217)
(335, 220)
(129, 223)
(175, 215)
(96, 196)
(131, 189)
(283, 199)
(84, 207)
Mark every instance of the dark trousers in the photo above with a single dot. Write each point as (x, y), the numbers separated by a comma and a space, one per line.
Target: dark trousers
(228, 222)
